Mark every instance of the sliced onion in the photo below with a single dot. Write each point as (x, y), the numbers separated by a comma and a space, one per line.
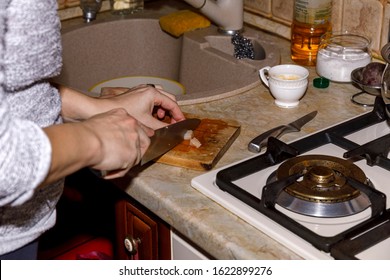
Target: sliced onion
(188, 135)
(195, 142)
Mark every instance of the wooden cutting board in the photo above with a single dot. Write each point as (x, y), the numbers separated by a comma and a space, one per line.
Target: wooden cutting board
(215, 135)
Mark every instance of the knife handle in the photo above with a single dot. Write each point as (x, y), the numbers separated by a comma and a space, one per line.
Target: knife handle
(260, 141)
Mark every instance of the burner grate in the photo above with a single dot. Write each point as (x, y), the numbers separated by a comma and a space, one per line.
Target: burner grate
(375, 152)
(373, 233)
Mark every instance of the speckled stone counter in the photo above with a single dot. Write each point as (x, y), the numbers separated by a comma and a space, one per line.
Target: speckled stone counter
(167, 191)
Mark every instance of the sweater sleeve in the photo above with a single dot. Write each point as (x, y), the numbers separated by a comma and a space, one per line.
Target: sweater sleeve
(25, 153)
(25, 150)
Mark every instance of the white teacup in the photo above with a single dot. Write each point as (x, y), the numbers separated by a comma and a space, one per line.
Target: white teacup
(287, 83)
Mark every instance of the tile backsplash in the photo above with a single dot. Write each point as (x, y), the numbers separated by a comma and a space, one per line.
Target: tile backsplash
(366, 17)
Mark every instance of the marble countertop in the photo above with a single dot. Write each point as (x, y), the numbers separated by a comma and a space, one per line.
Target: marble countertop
(167, 191)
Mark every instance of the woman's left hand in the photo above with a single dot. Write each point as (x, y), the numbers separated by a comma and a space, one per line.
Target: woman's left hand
(149, 104)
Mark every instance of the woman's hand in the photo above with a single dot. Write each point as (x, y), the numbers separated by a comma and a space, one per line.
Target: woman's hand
(146, 103)
(112, 141)
(123, 141)
(149, 104)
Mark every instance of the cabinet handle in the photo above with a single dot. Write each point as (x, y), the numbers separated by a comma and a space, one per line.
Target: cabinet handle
(131, 244)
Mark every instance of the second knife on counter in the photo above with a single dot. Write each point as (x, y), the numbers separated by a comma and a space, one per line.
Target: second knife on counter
(260, 141)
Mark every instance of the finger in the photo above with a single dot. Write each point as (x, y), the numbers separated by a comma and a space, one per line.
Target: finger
(169, 105)
(167, 102)
(143, 140)
(161, 113)
(147, 130)
(156, 124)
(116, 174)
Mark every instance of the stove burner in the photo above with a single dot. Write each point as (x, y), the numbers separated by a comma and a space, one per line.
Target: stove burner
(323, 189)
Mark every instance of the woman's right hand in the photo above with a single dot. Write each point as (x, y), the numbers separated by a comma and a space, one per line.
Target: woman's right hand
(112, 142)
(123, 141)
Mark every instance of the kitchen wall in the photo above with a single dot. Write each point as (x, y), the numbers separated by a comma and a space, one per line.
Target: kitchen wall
(367, 17)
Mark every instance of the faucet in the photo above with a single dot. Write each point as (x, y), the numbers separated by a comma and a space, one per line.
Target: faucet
(90, 9)
(227, 14)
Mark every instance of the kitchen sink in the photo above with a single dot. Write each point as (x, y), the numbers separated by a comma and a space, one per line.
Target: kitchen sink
(202, 61)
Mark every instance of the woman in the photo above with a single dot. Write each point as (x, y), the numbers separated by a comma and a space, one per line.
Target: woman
(47, 133)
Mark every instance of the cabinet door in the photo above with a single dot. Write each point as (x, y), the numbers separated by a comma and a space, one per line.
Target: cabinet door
(140, 234)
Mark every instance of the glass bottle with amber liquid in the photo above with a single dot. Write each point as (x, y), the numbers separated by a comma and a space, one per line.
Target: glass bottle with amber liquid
(311, 20)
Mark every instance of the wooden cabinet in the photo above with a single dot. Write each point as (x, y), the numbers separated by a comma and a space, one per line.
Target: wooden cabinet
(140, 234)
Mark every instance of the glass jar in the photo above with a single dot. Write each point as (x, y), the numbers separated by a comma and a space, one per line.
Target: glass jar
(311, 20)
(340, 53)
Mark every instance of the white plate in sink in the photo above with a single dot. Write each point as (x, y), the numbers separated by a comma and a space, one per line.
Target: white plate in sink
(168, 85)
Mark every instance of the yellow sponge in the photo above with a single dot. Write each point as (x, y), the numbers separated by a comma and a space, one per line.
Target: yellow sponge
(178, 23)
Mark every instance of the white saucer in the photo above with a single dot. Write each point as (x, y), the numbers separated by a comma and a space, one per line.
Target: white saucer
(170, 86)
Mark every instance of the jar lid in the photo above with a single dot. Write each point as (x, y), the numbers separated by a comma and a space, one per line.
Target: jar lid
(320, 82)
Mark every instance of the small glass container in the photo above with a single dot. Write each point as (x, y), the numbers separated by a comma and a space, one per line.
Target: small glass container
(340, 53)
(125, 7)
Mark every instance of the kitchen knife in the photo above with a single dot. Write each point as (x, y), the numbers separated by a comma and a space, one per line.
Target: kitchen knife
(261, 141)
(166, 138)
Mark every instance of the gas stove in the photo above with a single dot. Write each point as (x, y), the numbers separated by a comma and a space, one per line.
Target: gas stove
(324, 196)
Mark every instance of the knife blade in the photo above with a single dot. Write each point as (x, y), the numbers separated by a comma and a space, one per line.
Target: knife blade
(260, 141)
(166, 138)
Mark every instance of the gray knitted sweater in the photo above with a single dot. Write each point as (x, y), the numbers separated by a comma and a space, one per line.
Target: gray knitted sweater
(30, 53)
